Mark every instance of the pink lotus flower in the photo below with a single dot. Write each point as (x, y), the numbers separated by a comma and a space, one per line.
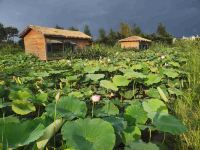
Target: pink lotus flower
(96, 98)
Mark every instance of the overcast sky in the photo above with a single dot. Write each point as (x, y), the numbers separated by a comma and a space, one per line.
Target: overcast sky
(182, 17)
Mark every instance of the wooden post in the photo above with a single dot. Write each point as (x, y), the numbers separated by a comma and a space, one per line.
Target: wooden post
(63, 47)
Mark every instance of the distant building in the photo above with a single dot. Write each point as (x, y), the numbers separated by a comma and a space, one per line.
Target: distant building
(135, 42)
(191, 37)
(50, 43)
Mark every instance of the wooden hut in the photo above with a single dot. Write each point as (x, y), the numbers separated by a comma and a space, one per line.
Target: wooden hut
(135, 42)
(50, 43)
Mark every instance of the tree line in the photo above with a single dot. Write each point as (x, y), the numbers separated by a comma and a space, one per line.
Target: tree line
(125, 30)
(7, 34)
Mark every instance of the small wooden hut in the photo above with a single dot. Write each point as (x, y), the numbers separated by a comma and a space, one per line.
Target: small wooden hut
(50, 43)
(135, 42)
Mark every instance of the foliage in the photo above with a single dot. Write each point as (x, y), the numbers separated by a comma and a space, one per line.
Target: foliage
(93, 134)
(9, 48)
(72, 28)
(57, 95)
(87, 30)
(188, 107)
(7, 33)
(125, 29)
(102, 36)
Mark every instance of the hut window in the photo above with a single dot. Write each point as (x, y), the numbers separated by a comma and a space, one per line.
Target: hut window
(59, 47)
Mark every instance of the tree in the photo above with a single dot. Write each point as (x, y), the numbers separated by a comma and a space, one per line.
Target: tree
(112, 37)
(161, 30)
(73, 28)
(125, 30)
(11, 33)
(136, 30)
(7, 33)
(162, 35)
(2, 33)
(87, 30)
(102, 36)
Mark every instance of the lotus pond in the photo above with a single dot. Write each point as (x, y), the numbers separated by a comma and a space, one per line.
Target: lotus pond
(117, 102)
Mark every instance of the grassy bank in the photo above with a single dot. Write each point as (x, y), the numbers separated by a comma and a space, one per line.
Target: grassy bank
(188, 108)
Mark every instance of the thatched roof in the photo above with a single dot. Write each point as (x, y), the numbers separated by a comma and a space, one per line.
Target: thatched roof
(55, 32)
(134, 39)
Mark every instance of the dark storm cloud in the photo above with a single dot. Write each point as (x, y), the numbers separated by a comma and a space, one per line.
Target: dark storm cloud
(180, 16)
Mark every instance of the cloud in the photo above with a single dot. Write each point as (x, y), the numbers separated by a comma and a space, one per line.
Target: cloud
(180, 16)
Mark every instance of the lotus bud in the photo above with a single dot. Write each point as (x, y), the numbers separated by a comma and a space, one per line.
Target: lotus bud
(57, 96)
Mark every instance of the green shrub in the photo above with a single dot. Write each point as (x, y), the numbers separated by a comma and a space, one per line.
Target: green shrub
(9, 48)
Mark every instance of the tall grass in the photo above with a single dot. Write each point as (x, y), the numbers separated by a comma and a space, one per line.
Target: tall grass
(188, 108)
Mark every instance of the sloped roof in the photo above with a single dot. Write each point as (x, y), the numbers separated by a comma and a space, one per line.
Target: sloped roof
(135, 39)
(55, 32)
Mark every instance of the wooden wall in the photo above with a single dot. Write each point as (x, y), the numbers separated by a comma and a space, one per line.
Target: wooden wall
(130, 45)
(35, 44)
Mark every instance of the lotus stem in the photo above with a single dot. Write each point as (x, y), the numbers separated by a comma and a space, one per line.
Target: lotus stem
(92, 109)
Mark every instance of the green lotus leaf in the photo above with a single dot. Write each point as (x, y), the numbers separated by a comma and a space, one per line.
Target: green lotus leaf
(22, 94)
(119, 124)
(153, 79)
(120, 80)
(128, 94)
(16, 134)
(168, 123)
(170, 73)
(91, 69)
(95, 77)
(108, 85)
(22, 107)
(49, 132)
(154, 107)
(135, 114)
(4, 104)
(135, 75)
(175, 91)
(9, 119)
(72, 78)
(174, 64)
(76, 94)
(89, 134)
(141, 146)
(56, 71)
(131, 134)
(153, 93)
(40, 74)
(137, 67)
(86, 91)
(109, 109)
(153, 69)
(126, 70)
(41, 98)
(68, 107)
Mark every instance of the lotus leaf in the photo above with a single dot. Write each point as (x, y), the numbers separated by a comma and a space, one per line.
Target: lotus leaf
(89, 134)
